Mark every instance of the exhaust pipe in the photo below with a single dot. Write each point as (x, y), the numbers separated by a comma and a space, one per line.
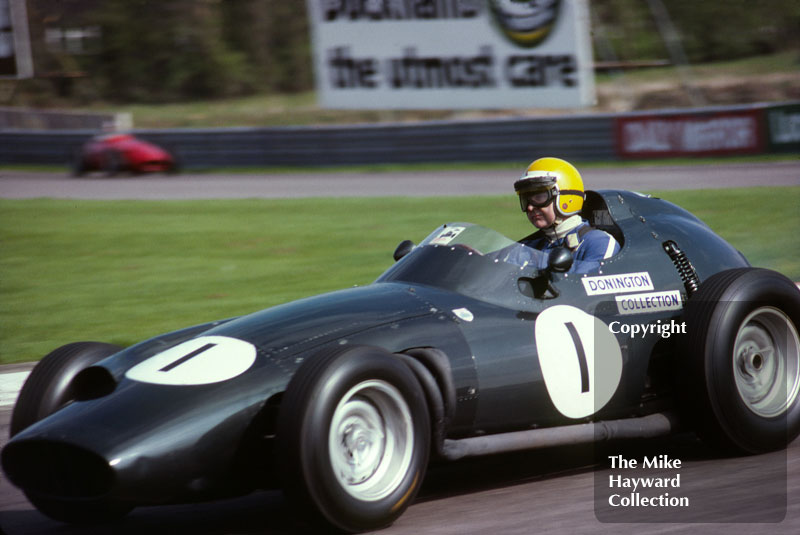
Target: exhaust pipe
(663, 423)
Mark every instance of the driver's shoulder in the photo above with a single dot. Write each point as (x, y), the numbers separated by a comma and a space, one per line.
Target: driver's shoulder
(596, 242)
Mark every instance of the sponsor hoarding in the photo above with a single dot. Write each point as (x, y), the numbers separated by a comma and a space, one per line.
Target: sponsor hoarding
(15, 47)
(730, 132)
(429, 54)
(783, 123)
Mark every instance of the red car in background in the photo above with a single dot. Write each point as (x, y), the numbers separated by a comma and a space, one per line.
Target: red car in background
(117, 153)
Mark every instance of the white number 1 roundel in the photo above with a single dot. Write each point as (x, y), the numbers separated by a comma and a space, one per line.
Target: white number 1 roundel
(580, 358)
(200, 361)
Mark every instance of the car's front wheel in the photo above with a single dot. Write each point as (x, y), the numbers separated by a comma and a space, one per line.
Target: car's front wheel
(48, 388)
(353, 437)
(113, 162)
(740, 372)
(49, 385)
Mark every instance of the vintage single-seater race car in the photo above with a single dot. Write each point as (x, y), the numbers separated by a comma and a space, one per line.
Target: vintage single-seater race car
(343, 399)
(119, 153)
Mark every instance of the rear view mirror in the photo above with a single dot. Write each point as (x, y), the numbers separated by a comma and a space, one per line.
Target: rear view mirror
(560, 260)
(403, 249)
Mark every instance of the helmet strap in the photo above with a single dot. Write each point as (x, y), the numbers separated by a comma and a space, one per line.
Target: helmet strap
(561, 227)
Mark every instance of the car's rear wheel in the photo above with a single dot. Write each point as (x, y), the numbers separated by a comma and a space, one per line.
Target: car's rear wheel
(740, 378)
(79, 167)
(354, 437)
(174, 161)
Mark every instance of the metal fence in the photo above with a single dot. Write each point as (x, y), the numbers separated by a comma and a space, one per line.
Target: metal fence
(579, 138)
(33, 119)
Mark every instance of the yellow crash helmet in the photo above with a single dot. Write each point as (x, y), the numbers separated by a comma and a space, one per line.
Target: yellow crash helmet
(551, 179)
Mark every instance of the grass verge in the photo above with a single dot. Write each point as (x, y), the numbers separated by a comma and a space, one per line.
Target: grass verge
(122, 271)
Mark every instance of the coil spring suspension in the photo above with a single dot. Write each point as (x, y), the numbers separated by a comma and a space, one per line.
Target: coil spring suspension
(685, 268)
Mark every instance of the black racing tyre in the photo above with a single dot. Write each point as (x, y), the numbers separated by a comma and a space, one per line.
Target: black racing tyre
(177, 160)
(175, 168)
(49, 385)
(353, 438)
(113, 163)
(739, 361)
(78, 166)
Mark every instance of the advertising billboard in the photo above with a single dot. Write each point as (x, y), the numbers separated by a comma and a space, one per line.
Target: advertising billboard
(783, 123)
(15, 47)
(705, 134)
(449, 54)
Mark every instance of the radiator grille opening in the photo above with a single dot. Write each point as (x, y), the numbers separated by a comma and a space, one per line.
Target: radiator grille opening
(57, 470)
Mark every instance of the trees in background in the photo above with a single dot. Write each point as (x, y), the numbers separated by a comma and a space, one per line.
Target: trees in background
(273, 36)
(711, 30)
(161, 50)
(167, 50)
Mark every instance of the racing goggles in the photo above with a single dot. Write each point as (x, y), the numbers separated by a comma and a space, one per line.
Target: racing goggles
(537, 199)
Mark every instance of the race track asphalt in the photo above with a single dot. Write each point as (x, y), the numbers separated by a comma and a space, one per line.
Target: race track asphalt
(495, 181)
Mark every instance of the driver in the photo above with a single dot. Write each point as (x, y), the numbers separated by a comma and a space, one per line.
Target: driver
(551, 195)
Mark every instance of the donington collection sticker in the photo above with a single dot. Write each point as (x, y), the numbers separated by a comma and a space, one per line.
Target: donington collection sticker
(649, 302)
(617, 284)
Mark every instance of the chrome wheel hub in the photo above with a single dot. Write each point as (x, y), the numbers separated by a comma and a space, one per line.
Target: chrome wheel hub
(371, 440)
(766, 359)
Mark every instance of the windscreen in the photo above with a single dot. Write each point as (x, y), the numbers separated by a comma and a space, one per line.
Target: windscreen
(467, 259)
(480, 238)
